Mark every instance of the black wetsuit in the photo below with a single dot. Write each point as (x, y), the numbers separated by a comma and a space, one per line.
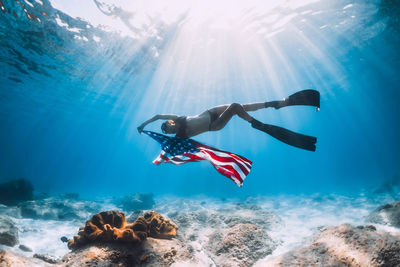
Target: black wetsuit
(181, 121)
(213, 117)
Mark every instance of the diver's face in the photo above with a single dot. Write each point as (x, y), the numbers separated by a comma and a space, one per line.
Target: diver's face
(170, 127)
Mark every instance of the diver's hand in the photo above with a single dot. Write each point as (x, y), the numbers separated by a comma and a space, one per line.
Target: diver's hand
(140, 129)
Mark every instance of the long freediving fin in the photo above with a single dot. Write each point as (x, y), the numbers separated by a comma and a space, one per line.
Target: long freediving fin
(284, 135)
(307, 97)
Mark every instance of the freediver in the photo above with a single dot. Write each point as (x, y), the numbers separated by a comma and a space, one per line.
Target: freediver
(216, 118)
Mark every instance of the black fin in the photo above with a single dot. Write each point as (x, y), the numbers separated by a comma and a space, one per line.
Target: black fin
(307, 97)
(284, 135)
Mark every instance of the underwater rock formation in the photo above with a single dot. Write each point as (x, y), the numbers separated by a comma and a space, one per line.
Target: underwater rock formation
(111, 226)
(389, 186)
(388, 214)
(191, 222)
(227, 217)
(136, 202)
(9, 259)
(344, 245)
(25, 248)
(15, 191)
(240, 245)
(8, 231)
(151, 252)
(46, 258)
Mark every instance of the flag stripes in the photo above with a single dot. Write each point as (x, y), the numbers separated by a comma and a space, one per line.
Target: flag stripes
(179, 151)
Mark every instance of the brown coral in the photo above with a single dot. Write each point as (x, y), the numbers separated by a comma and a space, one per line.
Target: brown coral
(111, 226)
(157, 225)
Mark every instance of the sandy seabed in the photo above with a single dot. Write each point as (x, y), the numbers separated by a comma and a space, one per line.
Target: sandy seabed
(287, 222)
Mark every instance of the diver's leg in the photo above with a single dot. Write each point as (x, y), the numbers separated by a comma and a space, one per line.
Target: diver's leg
(261, 105)
(255, 106)
(248, 107)
(230, 111)
(218, 110)
(307, 97)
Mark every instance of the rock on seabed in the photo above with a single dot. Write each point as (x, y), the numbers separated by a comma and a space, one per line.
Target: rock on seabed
(235, 235)
(388, 214)
(151, 252)
(240, 245)
(9, 259)
(8, 231)
(344, 245)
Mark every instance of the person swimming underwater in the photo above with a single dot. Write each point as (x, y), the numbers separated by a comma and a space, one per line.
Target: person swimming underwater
(216, 118)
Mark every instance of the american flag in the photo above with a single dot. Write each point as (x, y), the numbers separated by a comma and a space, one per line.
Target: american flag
(179, 150)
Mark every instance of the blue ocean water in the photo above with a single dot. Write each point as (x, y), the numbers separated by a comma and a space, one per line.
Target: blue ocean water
(78, 78)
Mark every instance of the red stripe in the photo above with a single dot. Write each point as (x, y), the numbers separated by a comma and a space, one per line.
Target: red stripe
(246, 161)
(230, 170)
(161, 157)
(229, 154)
(234, 172)
(227, 159)
(237, 157)
(199, 145)
(231, 173)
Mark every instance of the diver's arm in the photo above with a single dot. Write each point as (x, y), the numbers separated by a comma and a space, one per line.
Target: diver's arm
(157, 117)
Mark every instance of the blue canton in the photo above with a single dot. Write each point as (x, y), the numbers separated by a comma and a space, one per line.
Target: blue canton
(173, 145)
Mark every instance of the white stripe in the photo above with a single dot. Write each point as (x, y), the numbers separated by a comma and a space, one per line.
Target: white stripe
(177, 162)
(222, 154)
(184, 158)
(221, 164)
(235, 180)
(233, 164)
(204, 155)
(159, 159)
(228, 153)
(238, 161)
